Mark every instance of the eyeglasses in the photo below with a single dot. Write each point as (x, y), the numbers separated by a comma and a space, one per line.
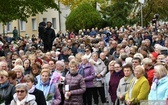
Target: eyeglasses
(20, 91)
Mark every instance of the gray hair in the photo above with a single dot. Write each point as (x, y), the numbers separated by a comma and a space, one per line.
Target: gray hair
(22, 85)
(19, 67)
(59, 62)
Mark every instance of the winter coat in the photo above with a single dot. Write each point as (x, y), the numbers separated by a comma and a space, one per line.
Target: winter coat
(159, 89)
(106, 87)
(6, 92)
(40, 98)
(89, 74)
(113, 84)
(30, 100)
(99, 68)
(47, 88)
(49, 36)
(76, 87)
(140, 90)
(150, 75)
(123, 86)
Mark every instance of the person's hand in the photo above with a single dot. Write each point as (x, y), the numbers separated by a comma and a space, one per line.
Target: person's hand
(121, 97)
(68, 93)
(128, 102)
(99, 76)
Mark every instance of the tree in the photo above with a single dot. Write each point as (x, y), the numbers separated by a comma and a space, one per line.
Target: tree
(118, 13)
(75, 3)
(22, 9)
(84, 16)
(152, 7)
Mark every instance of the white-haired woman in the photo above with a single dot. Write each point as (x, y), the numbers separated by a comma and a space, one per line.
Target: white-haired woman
(100, 71)
(87, 71)
(107, 79)
(18, 61)
(22, 97)
(20, 73)
(159, 88)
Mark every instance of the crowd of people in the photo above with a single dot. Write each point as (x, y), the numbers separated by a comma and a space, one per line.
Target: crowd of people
(117, 66)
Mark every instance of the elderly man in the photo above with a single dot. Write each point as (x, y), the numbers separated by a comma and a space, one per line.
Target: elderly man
(4, 66)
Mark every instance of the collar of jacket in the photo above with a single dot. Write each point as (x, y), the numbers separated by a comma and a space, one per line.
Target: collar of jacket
(74, 74)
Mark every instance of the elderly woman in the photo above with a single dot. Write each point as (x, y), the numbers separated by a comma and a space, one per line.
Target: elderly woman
(139, 87)
(74, 86)
(159, 89)
(100, 71)
(20, 73)
(124, 84)
(114, 79)
(149, 69)
(19, 62)
(107, 79)
(40, 98)
(22, 97)
(48, 87)
(6, 89)
(88, 73)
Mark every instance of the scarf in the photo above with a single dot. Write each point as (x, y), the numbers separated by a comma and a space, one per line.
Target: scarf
(45, 83)
(45, 87)
(32, 89)
(22, 102)
(4, 85)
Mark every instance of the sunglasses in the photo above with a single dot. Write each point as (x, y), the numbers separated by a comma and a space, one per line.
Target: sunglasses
(2, 77)
(86, 50)
(20, 91)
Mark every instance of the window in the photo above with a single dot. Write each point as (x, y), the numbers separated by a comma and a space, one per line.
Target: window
(9, 26)
(22, 25)
(45, 20)
(54, 23)
(33, 24)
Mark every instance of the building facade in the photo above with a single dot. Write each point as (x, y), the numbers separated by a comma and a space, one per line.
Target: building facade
(31, 26)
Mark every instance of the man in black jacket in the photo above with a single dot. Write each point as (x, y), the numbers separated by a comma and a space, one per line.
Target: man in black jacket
(49, 36)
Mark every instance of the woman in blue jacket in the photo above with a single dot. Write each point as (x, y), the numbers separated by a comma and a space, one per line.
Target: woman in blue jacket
(159, 88)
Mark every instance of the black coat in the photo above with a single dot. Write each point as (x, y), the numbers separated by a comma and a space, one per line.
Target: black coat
(40, 99)
(6, 92)
(49, 36)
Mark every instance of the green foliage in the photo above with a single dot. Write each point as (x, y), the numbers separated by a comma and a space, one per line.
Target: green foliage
(84, 16)
(49, 97)
(152, 7)
(118, 13)
(22, 9)
(75, 3)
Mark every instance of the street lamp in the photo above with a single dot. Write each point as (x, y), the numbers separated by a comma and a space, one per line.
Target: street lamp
(142, 2)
